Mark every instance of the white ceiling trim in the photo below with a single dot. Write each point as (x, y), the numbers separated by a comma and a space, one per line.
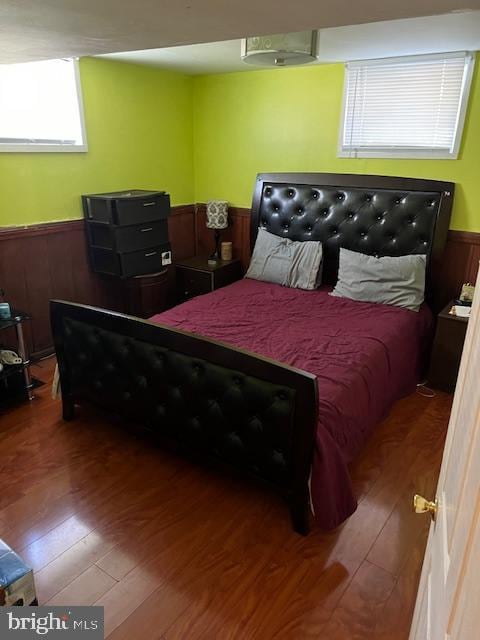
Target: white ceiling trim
(434, 34)
(42, 29)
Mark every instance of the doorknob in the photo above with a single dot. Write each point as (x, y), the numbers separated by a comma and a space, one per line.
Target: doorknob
(422, 505)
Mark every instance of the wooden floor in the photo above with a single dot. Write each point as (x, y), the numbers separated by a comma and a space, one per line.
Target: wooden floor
(172, 550)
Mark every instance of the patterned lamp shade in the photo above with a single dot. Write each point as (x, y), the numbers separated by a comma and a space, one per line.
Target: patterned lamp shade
(217, 214)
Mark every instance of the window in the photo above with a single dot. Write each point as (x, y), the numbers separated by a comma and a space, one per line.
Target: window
(405, 107)
(41, 107)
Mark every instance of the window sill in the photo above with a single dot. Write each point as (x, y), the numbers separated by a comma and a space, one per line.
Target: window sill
(43, 148)
(393, 154)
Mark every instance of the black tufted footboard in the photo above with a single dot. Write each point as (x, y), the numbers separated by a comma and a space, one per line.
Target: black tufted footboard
(255, 414)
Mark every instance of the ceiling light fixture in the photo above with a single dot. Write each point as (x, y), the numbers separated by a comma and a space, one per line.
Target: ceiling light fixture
(280, 50)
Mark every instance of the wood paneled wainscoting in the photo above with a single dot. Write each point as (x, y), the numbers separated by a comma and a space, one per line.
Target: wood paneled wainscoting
(460, 263)
(50, 260)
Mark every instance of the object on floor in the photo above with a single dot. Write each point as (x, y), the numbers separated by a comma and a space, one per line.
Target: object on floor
(17, 586)
(56, 390)
(9, 385)
(9, 357)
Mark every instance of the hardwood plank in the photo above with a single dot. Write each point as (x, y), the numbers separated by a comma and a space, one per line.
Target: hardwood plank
(175, 550)
(149, 537)
(42, 551)
(395, 444)
(117, 563)
(156, 613)
(385, 443)
(186, 557)
(117, 519)
(358, 610)
(220, 578)
(291, 599)
(85, 589)
(394, 621)
(121, 600)
(390, 550)
(70, 565)
(395, 479)
(197, 557)
(38, 511)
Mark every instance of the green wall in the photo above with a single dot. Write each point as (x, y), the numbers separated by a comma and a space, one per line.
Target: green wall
(288, 120)
(207, 137)
(139, 131)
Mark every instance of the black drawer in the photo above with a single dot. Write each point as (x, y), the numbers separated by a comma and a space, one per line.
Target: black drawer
(193, 283)
(123, 239)
(127, 207)
(129, 264)
(144, 261)
(139, 210)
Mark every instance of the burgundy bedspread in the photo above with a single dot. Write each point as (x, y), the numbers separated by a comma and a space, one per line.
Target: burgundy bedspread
(365, 357)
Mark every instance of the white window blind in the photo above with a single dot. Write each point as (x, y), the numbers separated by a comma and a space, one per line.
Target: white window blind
(405, 107)
(40, 107)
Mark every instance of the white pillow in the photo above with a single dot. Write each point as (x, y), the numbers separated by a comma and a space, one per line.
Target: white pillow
(399, 281)
(286, 262)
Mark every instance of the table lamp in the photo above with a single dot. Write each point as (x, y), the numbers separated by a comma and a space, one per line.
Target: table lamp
(217, 219)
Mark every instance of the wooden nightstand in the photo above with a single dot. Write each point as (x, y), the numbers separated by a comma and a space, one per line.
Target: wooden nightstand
(196, 277)
(447, 350)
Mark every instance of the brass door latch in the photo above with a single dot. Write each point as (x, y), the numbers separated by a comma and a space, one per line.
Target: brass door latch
(422, 505)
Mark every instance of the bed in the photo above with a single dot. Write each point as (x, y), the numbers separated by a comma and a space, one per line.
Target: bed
(281, 384)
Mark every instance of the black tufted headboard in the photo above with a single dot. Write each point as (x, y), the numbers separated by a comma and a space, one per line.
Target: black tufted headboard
(376, 215)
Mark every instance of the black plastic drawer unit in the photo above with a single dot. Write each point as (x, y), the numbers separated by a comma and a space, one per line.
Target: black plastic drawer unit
(127, 232)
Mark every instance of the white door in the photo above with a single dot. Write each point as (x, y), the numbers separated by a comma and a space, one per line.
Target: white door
(448, 600)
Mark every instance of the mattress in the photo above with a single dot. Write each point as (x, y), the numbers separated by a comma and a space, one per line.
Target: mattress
(365, 357)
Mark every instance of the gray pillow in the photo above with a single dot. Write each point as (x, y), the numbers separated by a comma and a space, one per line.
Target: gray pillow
(398, 281)
(284, 261)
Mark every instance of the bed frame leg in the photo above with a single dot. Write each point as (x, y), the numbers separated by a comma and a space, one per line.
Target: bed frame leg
(68, 409)
(300, 514)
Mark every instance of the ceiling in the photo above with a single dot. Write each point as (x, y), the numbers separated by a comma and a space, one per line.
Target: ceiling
(433, 34)
(41, 29)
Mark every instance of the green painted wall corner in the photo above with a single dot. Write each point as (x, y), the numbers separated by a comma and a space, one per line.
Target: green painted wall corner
(207, 137)
(288, 120)
(139, 131)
